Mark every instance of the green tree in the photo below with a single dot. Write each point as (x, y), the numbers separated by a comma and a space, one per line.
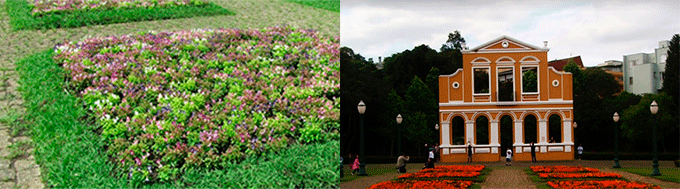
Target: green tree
(454, 42)
(637, 120)
(671, 77)
(419, 101)
(529, 83)
(395, 106)
(432, 81)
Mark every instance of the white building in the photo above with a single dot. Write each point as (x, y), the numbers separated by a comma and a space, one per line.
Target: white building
(643, 72)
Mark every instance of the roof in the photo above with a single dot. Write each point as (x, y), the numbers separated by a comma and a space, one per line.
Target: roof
(505, 44)
(559, 64)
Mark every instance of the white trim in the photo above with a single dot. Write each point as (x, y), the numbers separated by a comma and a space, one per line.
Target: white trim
(501, 51)
(555, 83)
(458, 151)
(525, 61)
(457, 103)
(555, 149)
(485, 61)
(453, 74)
(511, 61)
(454, 86)
(488, 68)
(509, 39)
(453, 114)
(538, 82)
(445, 151)
(482, 150)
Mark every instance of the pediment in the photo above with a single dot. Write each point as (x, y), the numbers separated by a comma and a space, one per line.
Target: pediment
(504, 44)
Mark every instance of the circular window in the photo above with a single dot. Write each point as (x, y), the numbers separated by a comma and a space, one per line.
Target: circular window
(456, 85)
(555, 83)
(505, 44)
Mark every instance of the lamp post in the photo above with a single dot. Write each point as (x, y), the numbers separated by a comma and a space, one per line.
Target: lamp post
(616, 140)
(436, 126)
(399, 119)
(362, 163)
(655, 162)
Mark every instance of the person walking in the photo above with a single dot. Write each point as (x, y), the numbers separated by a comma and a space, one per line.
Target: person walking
(469, 151)
(508, 157)
(533, 152)
(355, 165)
(580, 151)
(436, 153)
(431, 154)
(341, 167)
(401, 163)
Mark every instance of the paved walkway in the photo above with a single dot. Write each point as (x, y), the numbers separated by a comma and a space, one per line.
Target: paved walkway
(514, 176)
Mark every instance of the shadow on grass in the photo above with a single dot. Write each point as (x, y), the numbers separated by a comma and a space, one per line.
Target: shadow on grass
(667, 174)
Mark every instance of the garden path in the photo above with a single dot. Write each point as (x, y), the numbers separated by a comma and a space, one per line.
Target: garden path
(508, 177)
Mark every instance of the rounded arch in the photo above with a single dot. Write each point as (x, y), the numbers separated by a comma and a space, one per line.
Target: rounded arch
(457, 124)
(555, 126)
(529, 59)
(502, 113)
(454, 114)
(481, 60)
(505, 59)
(482, 129)
(530, 126)
(476, 115)
(533, 112)
(555, 112)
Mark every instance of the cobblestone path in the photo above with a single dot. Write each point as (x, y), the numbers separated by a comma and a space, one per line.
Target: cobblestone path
(508, 177)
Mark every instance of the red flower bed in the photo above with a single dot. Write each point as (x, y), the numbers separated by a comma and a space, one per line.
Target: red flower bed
(423, 184)
(599, 184)
(440, 174)
(562, 169)
(579, 175)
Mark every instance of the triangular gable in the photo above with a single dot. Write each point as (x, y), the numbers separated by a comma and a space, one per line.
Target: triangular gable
(506, 43)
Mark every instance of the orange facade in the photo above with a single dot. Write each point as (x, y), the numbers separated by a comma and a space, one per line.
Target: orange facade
(506, 96)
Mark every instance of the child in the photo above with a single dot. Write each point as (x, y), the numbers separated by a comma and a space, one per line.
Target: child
(508, 157)
(355, 165)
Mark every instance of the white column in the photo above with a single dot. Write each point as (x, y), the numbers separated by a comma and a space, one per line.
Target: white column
(470, 132)
(566, 136)
(445, 134)
(493, 137)
(543, 134)
(519, 135)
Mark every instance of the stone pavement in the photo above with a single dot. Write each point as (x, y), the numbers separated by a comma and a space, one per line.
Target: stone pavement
(20, 171)
(514, 176)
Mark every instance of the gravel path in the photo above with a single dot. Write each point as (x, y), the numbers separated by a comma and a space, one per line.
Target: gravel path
(508, 177)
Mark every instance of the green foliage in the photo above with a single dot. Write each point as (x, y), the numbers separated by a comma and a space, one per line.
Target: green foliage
(671, 79)
(481, 80)
(331, 5)
(529, 81)
(482, 130)
(416, 129)
(637, 121)
(454, 42)
(432, 81)
(21, 18)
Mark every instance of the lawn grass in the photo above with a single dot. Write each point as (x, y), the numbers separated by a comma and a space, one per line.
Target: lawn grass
(20, 15)
(331, 5)
(72, 155)
(371, 170)
(667, 174)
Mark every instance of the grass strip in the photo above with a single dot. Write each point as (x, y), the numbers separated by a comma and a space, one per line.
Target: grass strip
(72, 155)
(667, 174)
(20, 15)
(331, 5)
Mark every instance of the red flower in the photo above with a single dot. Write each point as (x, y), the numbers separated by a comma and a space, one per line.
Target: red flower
(579, 175)
(423, 184)
(600, 184)
(440, 174)
(562, 169)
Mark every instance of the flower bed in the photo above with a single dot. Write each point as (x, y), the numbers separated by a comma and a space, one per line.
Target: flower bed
(599, 184)
(423, 184)
(473, 168)
(41, 7)
(562, 169)
(171, 101)
(579, 175)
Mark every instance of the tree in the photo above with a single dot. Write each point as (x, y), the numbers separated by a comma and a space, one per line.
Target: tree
(529, 83)
(671, 77)
(432, 81)
(395, 106)
(637, 120)
(420, 102)
(454, 42)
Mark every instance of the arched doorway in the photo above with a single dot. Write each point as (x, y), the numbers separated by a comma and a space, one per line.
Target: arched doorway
(555, 128)
(482, 130)
(530, 129)
(506, 124)
(458, 131)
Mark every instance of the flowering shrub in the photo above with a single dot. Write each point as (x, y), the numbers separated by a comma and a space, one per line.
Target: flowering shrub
(579, 175)
(599, 184)
(423, 184)
(562, 169)
(472, 168)
(440, 174)
(170, 101)
(41, 7)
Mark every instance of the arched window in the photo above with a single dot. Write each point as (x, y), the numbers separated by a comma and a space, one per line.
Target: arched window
(458, 131)
(482, 130)
(530, 133)
(555, 128)
(506, 135)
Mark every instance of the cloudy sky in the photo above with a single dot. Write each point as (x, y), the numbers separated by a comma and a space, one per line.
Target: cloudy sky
(597, 31)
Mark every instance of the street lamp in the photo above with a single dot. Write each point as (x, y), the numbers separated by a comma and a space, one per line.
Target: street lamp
(436, 126)
(655, 162)
(399, 119)
(616, 140)
(362, 163)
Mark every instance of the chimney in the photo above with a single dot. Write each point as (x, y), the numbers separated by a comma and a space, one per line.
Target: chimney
(379, 59)
(545, 44)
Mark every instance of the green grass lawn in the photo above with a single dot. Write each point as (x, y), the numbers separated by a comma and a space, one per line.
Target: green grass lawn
(331, 5)
(371, 170)
(21, 18)
(667, 174)
(70, 154)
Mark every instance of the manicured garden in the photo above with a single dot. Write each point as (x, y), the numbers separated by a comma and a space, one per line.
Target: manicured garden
(448, 176)
(46, 14)
(667, 174)
(580, 177)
